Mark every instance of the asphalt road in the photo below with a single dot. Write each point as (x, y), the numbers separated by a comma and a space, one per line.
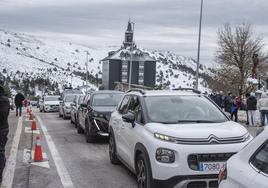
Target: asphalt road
(88, 164)
(72, 161)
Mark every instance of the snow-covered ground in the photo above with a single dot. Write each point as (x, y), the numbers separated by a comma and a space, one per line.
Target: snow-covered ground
(56, 60)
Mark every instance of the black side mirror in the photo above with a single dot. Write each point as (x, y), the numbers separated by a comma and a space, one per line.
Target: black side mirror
(129, 118)
(83, 105)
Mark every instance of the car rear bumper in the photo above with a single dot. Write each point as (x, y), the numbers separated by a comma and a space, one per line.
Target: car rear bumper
(51, 108)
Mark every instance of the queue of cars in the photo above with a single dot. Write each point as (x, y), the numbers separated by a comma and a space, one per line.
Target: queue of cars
(168, 139)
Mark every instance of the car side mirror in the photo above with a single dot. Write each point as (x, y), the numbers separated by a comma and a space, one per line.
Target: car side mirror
(129, 118)
(72, 104)
(83, 105)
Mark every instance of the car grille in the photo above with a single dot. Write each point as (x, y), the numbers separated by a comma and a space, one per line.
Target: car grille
(203, 184)
(195, 159)
(212, 139)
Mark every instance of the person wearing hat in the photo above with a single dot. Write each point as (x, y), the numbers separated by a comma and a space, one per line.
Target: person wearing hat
(4, 112)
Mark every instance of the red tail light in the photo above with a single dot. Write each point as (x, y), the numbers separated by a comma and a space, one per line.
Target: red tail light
(222, 174)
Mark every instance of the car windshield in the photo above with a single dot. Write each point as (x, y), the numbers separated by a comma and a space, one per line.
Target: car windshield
(51, 98)
(183, 109)
(69, 98)
(81, 98)
(106, 99)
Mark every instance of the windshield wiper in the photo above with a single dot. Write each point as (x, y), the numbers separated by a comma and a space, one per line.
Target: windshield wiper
(198, 121)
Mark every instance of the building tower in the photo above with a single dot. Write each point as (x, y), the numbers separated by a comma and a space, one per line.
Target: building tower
(129, 36)
(116, 66)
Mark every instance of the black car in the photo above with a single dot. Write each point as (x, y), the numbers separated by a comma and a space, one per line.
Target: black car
(95, 112)
(74, 108)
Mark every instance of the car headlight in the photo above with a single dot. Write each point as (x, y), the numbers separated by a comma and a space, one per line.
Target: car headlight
(96, 114)
(164, 155)
(246, 137)
(164, 137)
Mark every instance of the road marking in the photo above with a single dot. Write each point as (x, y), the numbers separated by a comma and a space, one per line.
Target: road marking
(61, 169)
(11, 162)
(29, 130)
(26, 158)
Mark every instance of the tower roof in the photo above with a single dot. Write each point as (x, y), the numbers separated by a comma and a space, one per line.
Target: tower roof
(129, 26)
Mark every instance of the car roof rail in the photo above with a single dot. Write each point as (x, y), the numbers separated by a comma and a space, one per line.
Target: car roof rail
(137, 90)
(188, 89)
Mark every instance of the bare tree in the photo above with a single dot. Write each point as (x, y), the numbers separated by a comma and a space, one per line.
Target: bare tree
(236, 45)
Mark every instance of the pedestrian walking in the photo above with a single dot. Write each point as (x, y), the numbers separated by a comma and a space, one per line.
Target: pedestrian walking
(234, 109)
(263, 108)
(19, 98)
(227, 104)
(4, 112)
(252, 108)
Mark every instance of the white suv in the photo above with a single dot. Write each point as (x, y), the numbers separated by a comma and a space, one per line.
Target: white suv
(248, 168)
(173, 138)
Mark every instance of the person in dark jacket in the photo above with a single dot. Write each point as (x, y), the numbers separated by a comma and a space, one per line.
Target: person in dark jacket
(252, 108)
(228, 102)
(247, 96)
(4, 112)
(19, 98)
(218, 99)
(234, 109)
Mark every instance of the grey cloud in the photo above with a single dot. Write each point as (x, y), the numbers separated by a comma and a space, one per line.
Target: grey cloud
(157, 21)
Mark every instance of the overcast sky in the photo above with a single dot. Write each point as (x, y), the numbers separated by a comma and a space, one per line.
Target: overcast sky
(159, 24)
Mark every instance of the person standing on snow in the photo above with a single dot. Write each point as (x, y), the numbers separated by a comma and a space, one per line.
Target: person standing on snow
(263, 108)
(252, 108)
(19, 98)
(4, 112)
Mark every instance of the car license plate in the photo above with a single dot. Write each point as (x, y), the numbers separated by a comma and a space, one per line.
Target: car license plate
(211, 166)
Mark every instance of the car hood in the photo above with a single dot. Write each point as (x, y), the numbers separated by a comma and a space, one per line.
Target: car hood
(104, 109)
(198, 130)
(52, 102)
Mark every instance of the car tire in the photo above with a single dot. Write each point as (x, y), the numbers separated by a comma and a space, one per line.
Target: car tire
(40, 109)
(64, 117)
(112, 150)
(75, 122)
(88, 136)
(79, 129)
(143, 171)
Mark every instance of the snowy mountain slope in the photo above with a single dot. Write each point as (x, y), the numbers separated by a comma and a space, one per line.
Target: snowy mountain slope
(57, 60)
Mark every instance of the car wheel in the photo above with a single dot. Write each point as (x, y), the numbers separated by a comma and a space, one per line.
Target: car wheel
(40, 109)
(75, 122)
(89, 137)
(143, 172)
(79, 129)
(112, 150)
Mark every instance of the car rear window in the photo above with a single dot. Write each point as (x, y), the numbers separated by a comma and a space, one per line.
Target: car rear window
(260, 159)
